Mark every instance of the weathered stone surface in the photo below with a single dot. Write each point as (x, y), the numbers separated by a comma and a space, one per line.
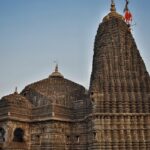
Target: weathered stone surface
(119, 90)
(58, 114)
(47, 114)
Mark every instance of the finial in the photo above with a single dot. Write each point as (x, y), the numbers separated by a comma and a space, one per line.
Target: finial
(56, 68)
(56, 73)
(113, 8)
(112, 1)
(16, 90)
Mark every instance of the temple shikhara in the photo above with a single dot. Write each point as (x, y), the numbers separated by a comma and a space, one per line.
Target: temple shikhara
(58, 114)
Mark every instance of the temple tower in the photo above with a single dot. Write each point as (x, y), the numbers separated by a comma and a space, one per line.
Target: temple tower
(119, 89)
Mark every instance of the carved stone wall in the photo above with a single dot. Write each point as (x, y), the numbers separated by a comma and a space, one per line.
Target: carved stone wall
(10, 143)
(58, 135)
(119, 90)
(119, 132)
(58, 114)
(119, 81)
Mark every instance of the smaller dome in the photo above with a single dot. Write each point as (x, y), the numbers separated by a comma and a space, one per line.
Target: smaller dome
(56, 73)
(16, 100)
(52, 89)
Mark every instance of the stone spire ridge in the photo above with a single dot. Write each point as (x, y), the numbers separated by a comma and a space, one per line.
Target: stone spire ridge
(112, 8)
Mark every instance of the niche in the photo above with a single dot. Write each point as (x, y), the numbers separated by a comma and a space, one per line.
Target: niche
(77, 139)
(2, 135)
(94, 135)
(18, 135)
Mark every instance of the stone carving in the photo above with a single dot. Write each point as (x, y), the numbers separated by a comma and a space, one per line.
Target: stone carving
(58, 114)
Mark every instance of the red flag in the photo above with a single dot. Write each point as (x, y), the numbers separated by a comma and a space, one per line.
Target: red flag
(128, 16)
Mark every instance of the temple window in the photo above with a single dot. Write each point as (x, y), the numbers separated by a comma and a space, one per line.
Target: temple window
(18, 135)
(77, 139)
(94, 135)
(37, 137)
(67, 139)
(43, 129)
(92, 93)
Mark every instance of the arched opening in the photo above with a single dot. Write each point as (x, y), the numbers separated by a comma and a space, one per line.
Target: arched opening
(2, 135)
(18, 135)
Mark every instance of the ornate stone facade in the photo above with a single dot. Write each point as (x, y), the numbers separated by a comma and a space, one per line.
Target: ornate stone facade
(58, 114)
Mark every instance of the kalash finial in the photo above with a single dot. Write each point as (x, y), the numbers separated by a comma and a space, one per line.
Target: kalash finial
(113, 8)
(16, 90)
(56, 68)
(56, 73)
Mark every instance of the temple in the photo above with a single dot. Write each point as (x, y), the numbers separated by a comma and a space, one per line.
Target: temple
(58, 114)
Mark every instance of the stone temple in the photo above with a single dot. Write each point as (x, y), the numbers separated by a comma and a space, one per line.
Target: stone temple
(58, 114)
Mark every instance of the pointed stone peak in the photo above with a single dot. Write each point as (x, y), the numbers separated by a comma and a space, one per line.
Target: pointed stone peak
(113, 8)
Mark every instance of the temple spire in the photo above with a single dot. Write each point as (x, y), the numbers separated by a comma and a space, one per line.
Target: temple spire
(113, 8)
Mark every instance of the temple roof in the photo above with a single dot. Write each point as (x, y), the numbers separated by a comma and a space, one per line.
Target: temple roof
(16, 100)
(54, 87)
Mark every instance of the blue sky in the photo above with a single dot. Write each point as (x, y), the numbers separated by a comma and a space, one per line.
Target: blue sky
(35, 33)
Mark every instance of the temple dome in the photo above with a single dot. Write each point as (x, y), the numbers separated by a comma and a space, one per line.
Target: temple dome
(16, 100)
(54, 88)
